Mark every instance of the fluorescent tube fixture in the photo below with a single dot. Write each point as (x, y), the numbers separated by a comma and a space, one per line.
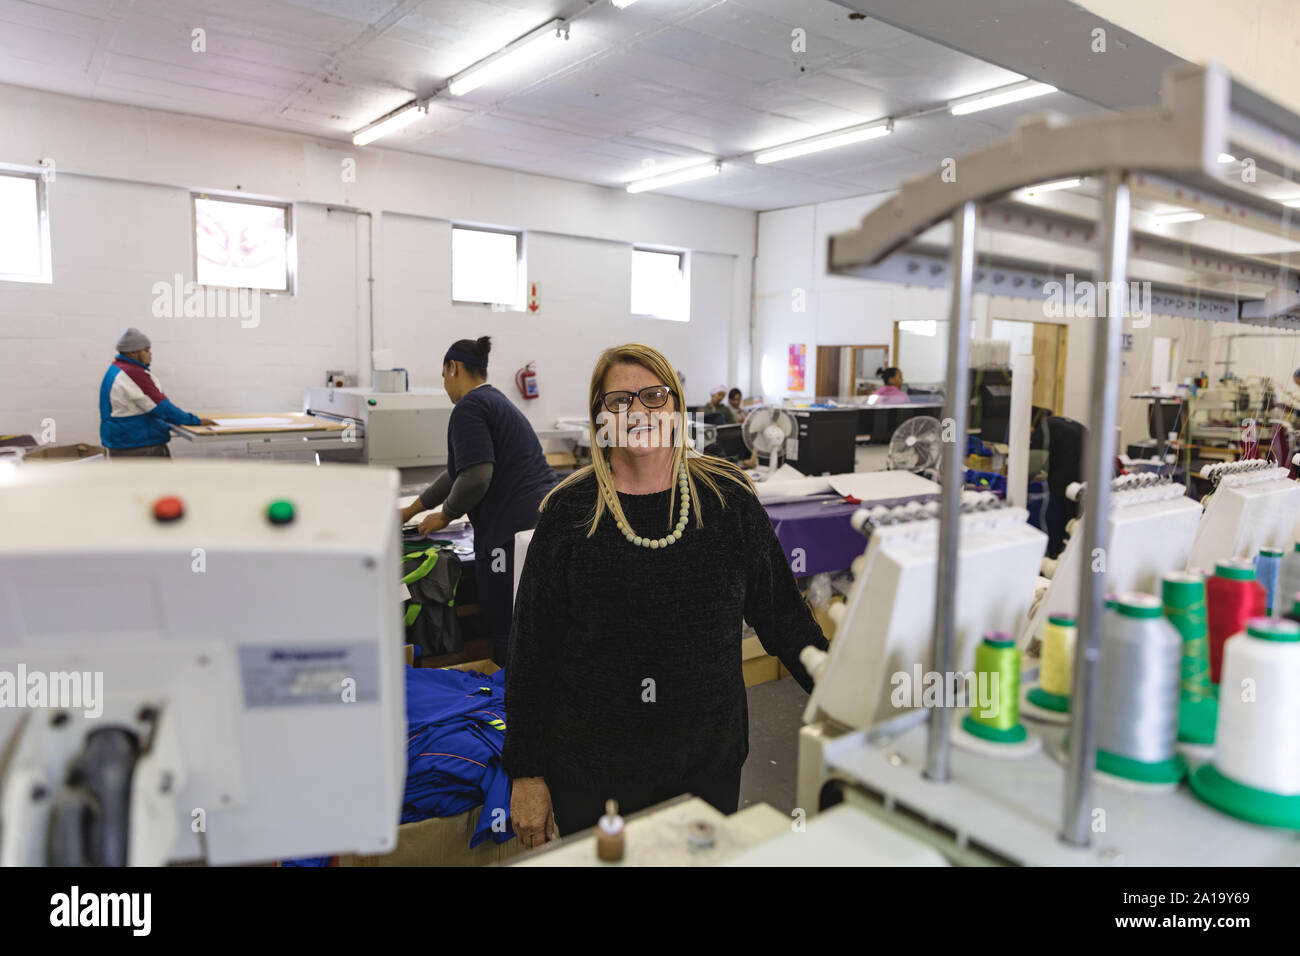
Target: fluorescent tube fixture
(816, 144)
(399, 118)
(1001, 97)
(1053, 186)
(517, 54)
(1178, 217)
(672, 179)
(622, 4)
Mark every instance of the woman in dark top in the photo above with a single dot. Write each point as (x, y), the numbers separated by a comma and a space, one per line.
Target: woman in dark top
(496, 473)
(625, 677)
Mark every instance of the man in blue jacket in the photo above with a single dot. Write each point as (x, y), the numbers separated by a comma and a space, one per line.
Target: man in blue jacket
(134, 414)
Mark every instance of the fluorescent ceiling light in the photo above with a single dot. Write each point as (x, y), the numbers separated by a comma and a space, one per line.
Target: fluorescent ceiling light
(401, 117)
(1054, 185)
(622, 4)
(815, 144)
(517, 54)
(672, 179)
(1008, 94)
(1227, 158)
(1178, 217)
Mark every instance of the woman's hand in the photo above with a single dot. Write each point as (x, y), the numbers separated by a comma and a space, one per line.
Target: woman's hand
(434, 523)
(530, 812)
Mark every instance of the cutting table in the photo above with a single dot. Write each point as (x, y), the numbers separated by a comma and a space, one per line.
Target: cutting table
(263, 432)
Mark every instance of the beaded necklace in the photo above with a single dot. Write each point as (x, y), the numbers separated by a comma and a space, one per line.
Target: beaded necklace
(676, 534)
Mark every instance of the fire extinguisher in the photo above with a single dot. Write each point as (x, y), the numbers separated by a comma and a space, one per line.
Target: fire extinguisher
(526, 381)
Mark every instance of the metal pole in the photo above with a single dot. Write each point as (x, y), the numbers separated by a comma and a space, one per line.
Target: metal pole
(1098, 469)
(955, 406)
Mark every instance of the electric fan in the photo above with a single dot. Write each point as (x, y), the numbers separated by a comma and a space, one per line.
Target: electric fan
(915, 445)
(766, 430)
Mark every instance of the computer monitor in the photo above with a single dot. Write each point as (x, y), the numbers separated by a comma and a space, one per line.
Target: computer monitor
(1165, 415)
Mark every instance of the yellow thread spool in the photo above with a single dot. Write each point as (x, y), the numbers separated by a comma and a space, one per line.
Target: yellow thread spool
(1057, 668)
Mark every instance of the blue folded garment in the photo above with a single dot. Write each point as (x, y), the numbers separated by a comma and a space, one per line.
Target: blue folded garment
(456, 729)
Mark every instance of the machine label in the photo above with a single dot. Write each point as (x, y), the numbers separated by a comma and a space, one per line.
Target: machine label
(285, 676)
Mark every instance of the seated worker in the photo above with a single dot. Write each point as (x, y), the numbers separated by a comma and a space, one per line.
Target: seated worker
(717, 406)
(134, 414)
(891, 393)
(734, 398)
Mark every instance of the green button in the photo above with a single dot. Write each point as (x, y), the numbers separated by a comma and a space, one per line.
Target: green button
(280, 512)
(371, 401)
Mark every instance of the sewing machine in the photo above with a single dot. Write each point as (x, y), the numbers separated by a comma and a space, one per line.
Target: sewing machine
(220, 648)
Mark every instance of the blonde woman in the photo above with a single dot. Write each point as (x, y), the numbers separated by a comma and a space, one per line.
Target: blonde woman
(624, 679)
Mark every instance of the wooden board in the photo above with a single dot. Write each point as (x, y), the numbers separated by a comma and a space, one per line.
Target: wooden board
(304, 422)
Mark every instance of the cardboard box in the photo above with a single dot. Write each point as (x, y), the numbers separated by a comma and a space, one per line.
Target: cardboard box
(757, 665)
(64, 453)
(823, 618)
(561, 460)
(440, 841)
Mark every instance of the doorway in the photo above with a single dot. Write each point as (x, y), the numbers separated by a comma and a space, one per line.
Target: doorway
(847, 370)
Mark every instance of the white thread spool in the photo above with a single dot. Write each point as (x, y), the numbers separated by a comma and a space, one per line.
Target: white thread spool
(1256, 769)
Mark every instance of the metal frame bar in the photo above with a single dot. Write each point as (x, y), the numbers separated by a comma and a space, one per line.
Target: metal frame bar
(955, 406)
(930, 266)
(1182, 139)
(1098, 458)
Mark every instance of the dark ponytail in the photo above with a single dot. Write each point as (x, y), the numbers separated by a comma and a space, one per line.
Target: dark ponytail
(472, 353)
(885, 374)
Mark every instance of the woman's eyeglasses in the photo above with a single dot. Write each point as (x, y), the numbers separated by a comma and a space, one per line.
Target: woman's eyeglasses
(652, 396)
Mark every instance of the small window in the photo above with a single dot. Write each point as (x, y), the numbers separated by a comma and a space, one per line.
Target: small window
(243, 244)
(24, 228)
(659, 287)
(486, 267)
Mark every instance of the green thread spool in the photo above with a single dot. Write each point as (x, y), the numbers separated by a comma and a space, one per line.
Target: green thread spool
(997, 656)
(1057, 668)
(1183, 596)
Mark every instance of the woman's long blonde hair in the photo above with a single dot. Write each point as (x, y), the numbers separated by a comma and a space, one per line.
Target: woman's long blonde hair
(701, 469)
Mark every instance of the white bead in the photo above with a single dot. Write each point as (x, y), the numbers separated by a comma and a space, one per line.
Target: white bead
(654, 544)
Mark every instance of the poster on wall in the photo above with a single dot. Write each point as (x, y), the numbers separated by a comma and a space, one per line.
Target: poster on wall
(798, 360)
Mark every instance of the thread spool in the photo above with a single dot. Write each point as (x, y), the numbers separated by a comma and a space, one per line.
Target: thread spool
(1256, 770)
(1267, 565)
(1137, 725)
(1288, 578)
(1183, 595)
(1232, 597)
(992, 725)
(1050, 700)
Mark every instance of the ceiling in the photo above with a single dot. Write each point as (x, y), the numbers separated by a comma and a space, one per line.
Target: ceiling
(660, 85)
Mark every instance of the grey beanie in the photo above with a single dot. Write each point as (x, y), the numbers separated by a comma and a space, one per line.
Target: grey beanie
(132, 340)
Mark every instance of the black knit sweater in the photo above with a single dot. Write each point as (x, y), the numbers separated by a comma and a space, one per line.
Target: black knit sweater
(625, 662)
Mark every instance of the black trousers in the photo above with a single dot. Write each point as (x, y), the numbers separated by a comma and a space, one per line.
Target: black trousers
(577, 807)
(147, 451)
(496, 597)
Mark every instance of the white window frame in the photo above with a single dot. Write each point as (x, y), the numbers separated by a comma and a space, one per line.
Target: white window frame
(46, 273)
(290, 239)
(683, 268)
(521, 277)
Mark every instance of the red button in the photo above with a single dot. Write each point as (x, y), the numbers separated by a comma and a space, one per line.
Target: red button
(168, 508)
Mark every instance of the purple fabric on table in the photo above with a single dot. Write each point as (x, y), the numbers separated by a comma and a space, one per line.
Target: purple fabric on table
(820, 527)
(462, 537)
